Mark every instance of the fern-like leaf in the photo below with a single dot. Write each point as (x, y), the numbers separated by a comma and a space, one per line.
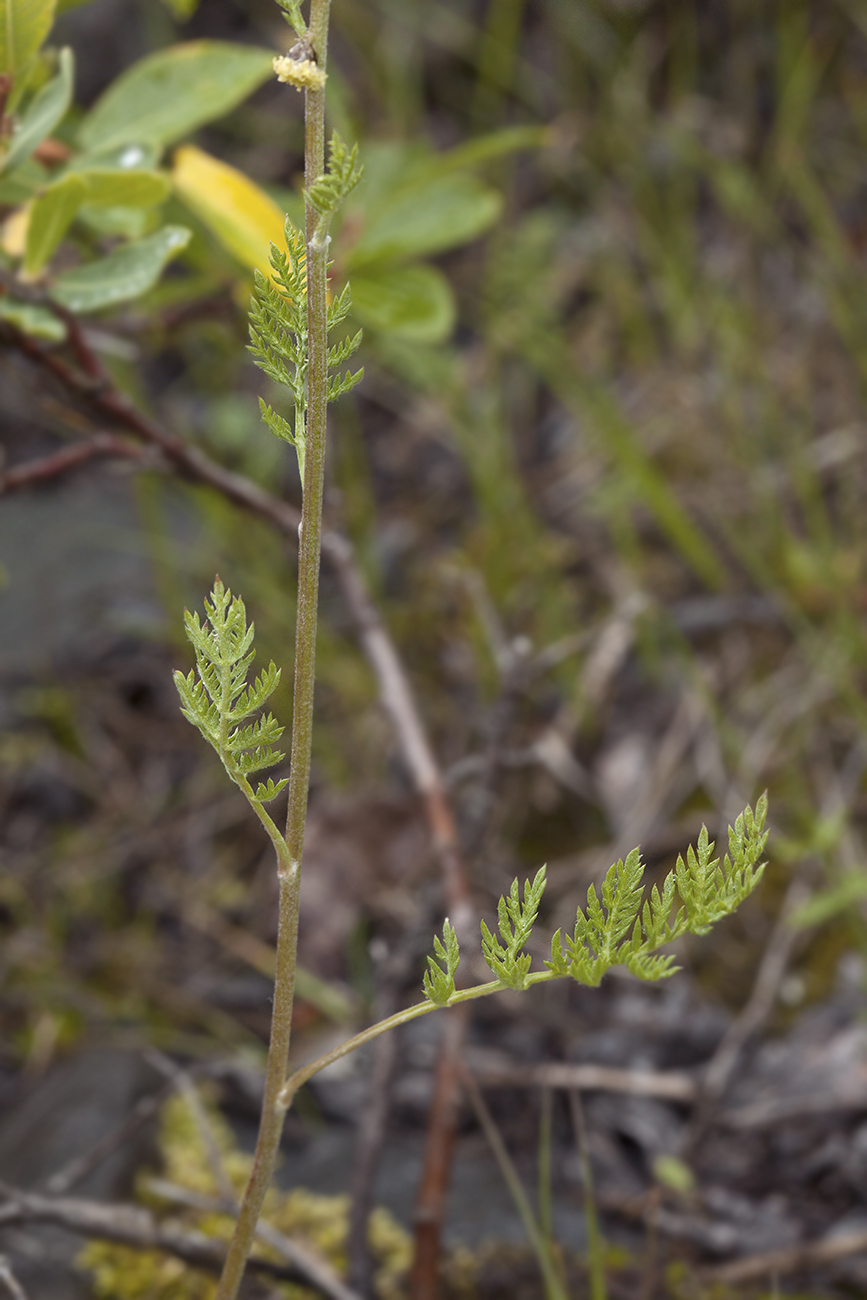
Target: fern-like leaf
(439, 979)
(268, 790)
(621, 930)
(340, 178)
(292, 14)
(516, 919)
(216, 697)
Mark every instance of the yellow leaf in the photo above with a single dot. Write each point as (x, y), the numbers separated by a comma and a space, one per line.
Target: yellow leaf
(240, 214)
(13, 232)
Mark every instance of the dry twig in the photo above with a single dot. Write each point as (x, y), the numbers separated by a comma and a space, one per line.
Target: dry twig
(792, 1259)
(130, 1225)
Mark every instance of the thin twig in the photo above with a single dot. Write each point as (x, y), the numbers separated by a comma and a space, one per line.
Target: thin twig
(667, 1085)
(371, 1129)
(763, 997)
(595, 1249)
(430, 1203)
(554, 1289)
(318, 1270)
(184, 1085)
(82, 1166)
(792, 1259)
(754, 1015)
(45, 469)
(10, 1281)
(130, 1225)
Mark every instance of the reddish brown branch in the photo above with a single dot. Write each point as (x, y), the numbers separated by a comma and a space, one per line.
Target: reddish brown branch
(35, 472)
(430, 1205)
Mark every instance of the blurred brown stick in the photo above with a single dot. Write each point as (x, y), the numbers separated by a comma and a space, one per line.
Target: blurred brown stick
(45, 468)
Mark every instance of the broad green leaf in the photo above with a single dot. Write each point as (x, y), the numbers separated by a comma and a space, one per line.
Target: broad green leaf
(243, 217)
(63, 5)
(169, 94)
(484, 148)
(129, 223)
(50, 217)
(24, 25)
(412, 302)
(52, 211)
(32, 319)
(49, 106)
(126, 273)
(110, 187)
(126, 157)
(422, 218)
(22, 184)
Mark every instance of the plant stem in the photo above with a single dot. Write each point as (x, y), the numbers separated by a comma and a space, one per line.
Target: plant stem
(310, 535)
(300, 1077)
(554, 1289)
(595, 1244)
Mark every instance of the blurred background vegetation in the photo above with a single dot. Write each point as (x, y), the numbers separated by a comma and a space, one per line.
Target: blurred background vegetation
(610, 260)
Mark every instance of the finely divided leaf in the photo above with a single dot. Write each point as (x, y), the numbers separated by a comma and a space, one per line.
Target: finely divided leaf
(439, 979)
(516, 920)
(624, 930)
(217, 697)
(343, 174)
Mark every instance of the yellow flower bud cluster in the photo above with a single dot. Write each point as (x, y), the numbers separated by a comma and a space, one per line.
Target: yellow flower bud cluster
(299, 68)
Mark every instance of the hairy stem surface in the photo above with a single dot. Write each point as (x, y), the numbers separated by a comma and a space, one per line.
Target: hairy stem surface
(310, 535)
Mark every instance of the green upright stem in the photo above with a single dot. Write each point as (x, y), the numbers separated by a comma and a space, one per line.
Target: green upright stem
(289, 865)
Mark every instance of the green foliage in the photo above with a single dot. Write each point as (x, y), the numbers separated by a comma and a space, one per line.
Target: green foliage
(292, 14)
(165, 96)
(32, 319)
(711, 892)
(412, 303)
(24, 25)
(423, 213)
(55, 208)
(125, 273)
(48, 107)
(50, 218)
(618, 932)
(415, 203)
(341, 177)
(516, 920)
(621, 928)
(217, 698)
(278, 334)
(439, 980)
